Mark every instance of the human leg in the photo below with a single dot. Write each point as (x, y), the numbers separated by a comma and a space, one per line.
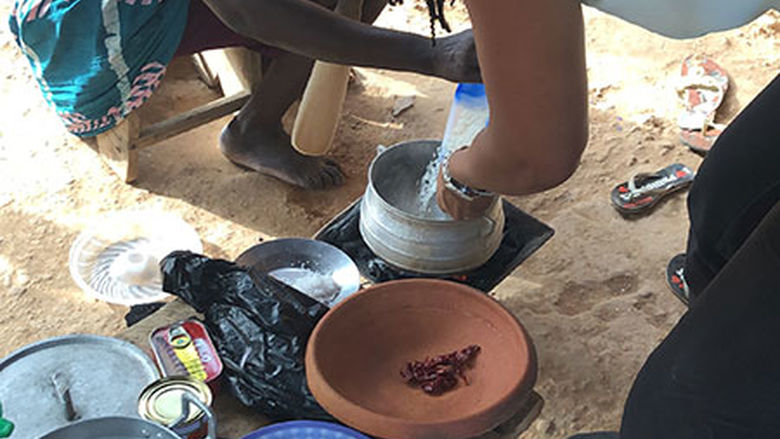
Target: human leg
(255, 138)
(717, 374)
(736, 185)
(597, 435)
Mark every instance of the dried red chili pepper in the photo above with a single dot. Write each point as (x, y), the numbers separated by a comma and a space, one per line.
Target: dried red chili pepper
(440, 374)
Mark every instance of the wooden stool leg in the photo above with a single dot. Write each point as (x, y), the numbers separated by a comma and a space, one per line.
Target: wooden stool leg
(204, 72)
(237, 71)
(117, 148)
(236, 68)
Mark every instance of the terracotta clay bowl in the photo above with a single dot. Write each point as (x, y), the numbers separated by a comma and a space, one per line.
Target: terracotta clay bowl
(357, 351)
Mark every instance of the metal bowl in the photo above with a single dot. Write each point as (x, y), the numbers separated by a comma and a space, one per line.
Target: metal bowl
(315, 268)
(112, 428)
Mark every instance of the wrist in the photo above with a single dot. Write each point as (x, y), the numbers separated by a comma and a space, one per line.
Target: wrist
(452, 172)
(459, 168)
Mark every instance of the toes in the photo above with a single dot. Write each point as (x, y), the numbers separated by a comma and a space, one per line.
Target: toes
(335, 174)
(329, 177)
(324, 179)
(338, 177)
(315, 181)
(324, 175)
(315, 175)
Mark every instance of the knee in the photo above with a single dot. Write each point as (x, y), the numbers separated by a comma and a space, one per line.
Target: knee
(230, 13)
(771, 225)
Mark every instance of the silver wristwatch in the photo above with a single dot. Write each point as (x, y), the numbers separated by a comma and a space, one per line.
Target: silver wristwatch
(462, 190)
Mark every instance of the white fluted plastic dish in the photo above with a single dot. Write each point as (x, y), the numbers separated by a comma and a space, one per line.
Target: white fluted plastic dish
(116, 258)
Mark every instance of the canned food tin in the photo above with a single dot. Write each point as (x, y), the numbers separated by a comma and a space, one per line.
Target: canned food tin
(161, 402)
(185, 349)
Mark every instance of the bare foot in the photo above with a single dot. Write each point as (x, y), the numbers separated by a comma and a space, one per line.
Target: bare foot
(269, 151)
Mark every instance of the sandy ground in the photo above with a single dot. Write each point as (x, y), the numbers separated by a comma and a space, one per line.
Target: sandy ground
(594, 298)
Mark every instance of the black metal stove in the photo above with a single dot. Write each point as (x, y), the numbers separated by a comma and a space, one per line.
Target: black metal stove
(523, 236)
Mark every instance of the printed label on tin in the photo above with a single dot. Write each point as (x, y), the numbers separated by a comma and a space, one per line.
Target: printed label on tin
(185, 348)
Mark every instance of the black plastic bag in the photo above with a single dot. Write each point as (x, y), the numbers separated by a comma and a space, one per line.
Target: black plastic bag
(260, 328)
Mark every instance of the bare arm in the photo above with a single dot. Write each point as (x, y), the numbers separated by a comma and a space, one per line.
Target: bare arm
(304, 27)
(531, 53)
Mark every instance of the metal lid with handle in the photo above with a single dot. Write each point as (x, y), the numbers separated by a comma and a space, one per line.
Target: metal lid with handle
(55, 382)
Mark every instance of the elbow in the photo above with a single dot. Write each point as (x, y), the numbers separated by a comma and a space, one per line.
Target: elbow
(563, 166)
(564, 158)
(549, 176)
(244, 26)
(537, 174)
(549, 170)
(548, 157)
(237, 23)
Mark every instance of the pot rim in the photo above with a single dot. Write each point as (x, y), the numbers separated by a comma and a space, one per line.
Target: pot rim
(148, 424)
(402, 213)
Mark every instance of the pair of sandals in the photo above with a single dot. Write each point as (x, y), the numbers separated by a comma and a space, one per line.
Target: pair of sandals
(702, 87)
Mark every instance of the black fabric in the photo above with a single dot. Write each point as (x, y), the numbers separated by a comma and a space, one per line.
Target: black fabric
(717, 374)
(735, 187)
(523, 236)
(597, 435)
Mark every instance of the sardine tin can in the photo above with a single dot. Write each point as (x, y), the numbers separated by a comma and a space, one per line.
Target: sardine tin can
(161, 403)
(185, 349)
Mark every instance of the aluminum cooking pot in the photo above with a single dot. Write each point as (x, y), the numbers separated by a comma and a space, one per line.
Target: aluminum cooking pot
(394, 229)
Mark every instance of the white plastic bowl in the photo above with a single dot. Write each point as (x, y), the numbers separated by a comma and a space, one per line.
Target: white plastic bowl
(116, 258)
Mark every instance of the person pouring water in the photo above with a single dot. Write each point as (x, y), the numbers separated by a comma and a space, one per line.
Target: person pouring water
(717, 373)
(532, 58)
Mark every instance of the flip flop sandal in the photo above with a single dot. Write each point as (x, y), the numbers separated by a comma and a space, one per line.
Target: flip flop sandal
(702, 86)
(675, 278)
(644, 191)
(700, 141)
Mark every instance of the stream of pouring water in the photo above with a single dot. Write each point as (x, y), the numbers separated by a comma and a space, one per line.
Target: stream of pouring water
(468, 116)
